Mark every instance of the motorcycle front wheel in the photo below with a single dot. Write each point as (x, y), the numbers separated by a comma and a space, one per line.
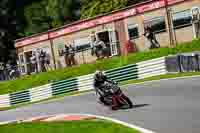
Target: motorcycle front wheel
(126, 101)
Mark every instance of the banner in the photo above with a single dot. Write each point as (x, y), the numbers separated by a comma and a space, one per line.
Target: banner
(183, 63)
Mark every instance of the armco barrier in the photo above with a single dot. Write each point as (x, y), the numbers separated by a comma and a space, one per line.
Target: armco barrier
(85, 82)
(40, 93)
(19, 97)
(123, 73)
(64, 86)
(134, 71)
(151, 68)
(4, 100)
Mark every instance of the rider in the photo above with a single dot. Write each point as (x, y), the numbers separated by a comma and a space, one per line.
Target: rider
(99, 84)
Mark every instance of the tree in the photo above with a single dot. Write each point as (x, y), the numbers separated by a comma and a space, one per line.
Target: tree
(91, 8)
(48, 14)
(8, 28)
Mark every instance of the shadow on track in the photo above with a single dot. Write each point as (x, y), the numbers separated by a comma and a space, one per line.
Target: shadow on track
(140, 105)
(135, 106)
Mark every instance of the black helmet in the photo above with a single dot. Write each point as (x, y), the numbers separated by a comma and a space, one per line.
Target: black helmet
(98, 75)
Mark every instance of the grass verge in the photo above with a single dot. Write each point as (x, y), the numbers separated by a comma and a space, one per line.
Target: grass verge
(67, 127)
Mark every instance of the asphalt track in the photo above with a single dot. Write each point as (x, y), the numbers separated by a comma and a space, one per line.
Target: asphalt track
(171, 106)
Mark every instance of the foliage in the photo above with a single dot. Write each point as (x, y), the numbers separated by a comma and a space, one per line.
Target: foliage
(91, 8)
(21, 18)
(8, 28)
(47, 14)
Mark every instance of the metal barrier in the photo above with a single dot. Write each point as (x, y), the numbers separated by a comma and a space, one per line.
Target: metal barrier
(64, 86)
(41, 93)
(123, 73)
(19, 97)
(151, 68)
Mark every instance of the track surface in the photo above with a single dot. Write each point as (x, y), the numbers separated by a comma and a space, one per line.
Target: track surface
(171, 106)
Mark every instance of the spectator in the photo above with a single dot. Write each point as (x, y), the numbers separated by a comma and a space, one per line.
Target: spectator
(149, 34)
(106, 50)
(42, 60)
(96, 48)
(34, 62)
(92, 44)
(196, 21)
(8, 70)
(13, 72)
(71, 55)
(2, 76)
(47, 62)
(100, 48)
(66, 54)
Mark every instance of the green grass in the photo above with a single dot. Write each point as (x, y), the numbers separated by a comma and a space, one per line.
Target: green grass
(67, 127)
(27, 82)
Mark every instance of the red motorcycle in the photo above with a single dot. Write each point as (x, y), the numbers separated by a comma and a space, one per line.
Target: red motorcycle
(114, 97)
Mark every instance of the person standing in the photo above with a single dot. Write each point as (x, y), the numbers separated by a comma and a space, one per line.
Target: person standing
(34, 63)
(100, 48)
(42, 61)
(71, 55)
(66, 55)
(97, 48)
(2, 76)
(196, 21)
(8, 70)
(105, 50)
(150, 35)
(47, 62)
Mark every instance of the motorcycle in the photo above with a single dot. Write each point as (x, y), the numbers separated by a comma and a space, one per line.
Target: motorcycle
(115, 96)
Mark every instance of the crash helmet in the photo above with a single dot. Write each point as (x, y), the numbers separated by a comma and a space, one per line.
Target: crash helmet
(98, 75)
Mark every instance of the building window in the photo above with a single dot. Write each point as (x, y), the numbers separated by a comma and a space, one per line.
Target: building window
(82, 44)
(157, 24)
(133, 31)
(182, 19)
